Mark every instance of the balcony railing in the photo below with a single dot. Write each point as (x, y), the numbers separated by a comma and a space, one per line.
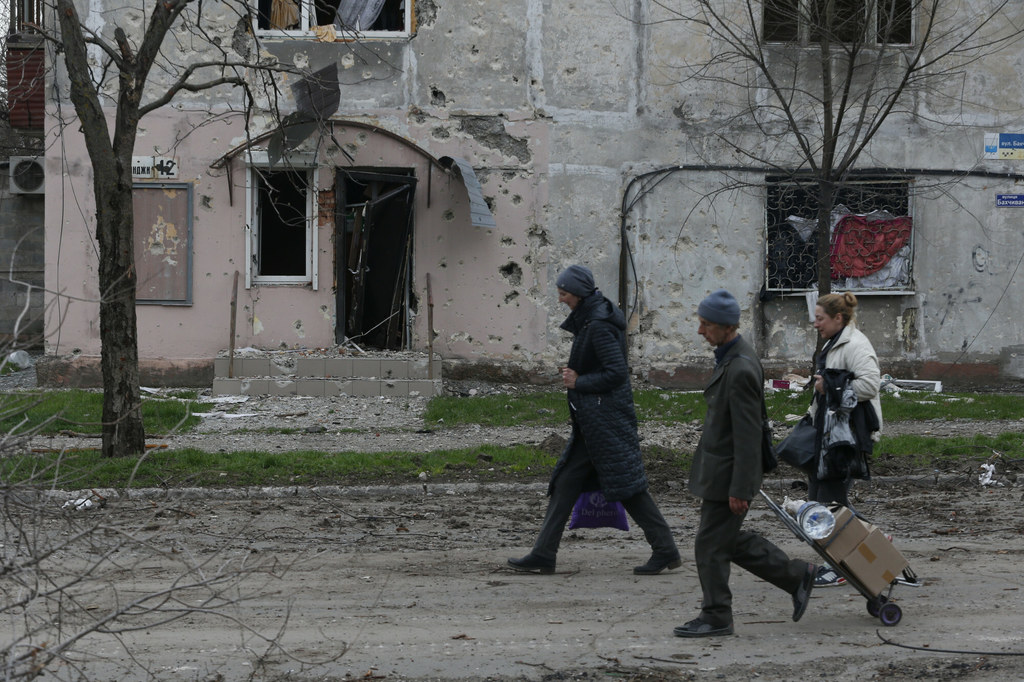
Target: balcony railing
(26, 18)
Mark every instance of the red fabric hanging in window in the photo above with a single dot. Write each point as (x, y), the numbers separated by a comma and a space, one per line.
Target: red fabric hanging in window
(861, 247)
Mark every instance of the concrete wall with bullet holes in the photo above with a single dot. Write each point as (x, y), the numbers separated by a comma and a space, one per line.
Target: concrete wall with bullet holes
(561, 108)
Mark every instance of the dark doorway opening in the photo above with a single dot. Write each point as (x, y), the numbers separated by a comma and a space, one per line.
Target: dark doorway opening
(373, 256)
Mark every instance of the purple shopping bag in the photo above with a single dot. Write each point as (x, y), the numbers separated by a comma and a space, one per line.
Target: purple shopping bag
(593, 511)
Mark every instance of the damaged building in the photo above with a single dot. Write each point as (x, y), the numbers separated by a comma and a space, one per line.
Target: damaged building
(420, 163)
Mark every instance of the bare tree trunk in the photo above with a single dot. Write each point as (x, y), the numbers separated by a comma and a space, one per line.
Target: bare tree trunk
(123, 431)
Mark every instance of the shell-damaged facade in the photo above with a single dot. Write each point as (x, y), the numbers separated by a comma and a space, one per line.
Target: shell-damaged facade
(463, 153)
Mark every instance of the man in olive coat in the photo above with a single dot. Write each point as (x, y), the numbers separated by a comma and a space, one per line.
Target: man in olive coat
(726, 474)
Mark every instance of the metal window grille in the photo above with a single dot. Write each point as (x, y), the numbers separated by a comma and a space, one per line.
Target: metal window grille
(26, 17)
(871, 235)
(842, 21)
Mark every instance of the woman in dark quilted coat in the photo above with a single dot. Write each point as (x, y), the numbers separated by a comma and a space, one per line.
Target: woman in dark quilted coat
(603, 452)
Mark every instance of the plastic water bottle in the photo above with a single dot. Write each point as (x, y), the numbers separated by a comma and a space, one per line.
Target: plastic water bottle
(816, 520)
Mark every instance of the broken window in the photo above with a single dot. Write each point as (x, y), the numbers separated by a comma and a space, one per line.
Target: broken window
(162, 214)
(282, 235)
(335, 19)
(840, 21)
(871, 232)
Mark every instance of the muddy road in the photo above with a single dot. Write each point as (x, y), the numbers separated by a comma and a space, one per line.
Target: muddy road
(408, 583)
(406, 579)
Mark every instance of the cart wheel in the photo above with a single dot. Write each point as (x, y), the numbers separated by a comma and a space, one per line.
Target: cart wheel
(875, 605)
(890, 614)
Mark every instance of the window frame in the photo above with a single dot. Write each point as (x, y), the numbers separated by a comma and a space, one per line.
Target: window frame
(258, 162)
(803, 34)
(305, 32)
(837, 283)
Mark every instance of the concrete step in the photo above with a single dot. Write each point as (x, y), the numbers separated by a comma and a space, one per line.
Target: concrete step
(285, 374)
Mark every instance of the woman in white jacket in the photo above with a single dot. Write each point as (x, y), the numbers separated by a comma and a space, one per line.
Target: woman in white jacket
(846, 348)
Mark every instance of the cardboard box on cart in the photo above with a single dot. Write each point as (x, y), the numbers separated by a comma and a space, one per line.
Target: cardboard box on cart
(875, 562)
(847, 534)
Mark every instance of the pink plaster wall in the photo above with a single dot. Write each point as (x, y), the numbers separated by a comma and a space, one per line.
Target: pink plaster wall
(487, 302)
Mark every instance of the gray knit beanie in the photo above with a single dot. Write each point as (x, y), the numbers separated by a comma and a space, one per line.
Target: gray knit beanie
(577, 280)
(720, 307)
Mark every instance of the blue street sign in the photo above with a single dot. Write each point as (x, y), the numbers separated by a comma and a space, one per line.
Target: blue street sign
(1010, 200)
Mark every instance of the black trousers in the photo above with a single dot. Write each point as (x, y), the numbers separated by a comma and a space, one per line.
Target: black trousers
(577, 471)
(720, 542)
(832, 490)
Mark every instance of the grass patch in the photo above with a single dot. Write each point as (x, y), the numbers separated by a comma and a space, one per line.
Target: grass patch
(923, 406)
(79, 411)
(920, 451)
(543, 408)
(549, 408)
(50, 412)
(917, 406)
(669, 406)
(190, 467)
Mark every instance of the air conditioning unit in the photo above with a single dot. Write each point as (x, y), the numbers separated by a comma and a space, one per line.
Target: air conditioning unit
(26, 173)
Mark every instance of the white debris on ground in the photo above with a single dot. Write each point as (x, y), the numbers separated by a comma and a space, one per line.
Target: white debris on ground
(85, 501)
(18, 359)
(987, 475)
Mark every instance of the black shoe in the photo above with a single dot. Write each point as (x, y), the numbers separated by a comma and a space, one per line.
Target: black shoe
(803, 593)
(700, 628)
(656, 564)
(533, 564)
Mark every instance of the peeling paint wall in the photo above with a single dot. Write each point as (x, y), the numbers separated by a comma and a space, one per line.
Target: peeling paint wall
(559, 107)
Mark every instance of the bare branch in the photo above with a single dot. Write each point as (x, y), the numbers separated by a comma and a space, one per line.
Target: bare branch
(813, 89)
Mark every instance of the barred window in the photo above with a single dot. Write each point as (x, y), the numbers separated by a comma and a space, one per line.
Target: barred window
(841, 21)
(871, 235)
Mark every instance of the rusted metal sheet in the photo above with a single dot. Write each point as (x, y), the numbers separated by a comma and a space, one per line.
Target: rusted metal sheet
(25, 83)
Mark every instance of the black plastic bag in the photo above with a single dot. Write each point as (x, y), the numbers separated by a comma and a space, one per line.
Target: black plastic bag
(799, 448)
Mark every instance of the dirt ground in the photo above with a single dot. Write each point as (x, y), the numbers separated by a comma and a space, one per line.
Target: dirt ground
(407, 581)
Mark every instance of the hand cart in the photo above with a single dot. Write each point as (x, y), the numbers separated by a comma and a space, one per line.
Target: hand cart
(879, 605)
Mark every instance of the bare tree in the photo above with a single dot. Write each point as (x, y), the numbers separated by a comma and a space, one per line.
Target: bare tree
(77, 568)
(75, 572)
(66, 565)
(814, 83)
(112, 69)
(85, 569)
